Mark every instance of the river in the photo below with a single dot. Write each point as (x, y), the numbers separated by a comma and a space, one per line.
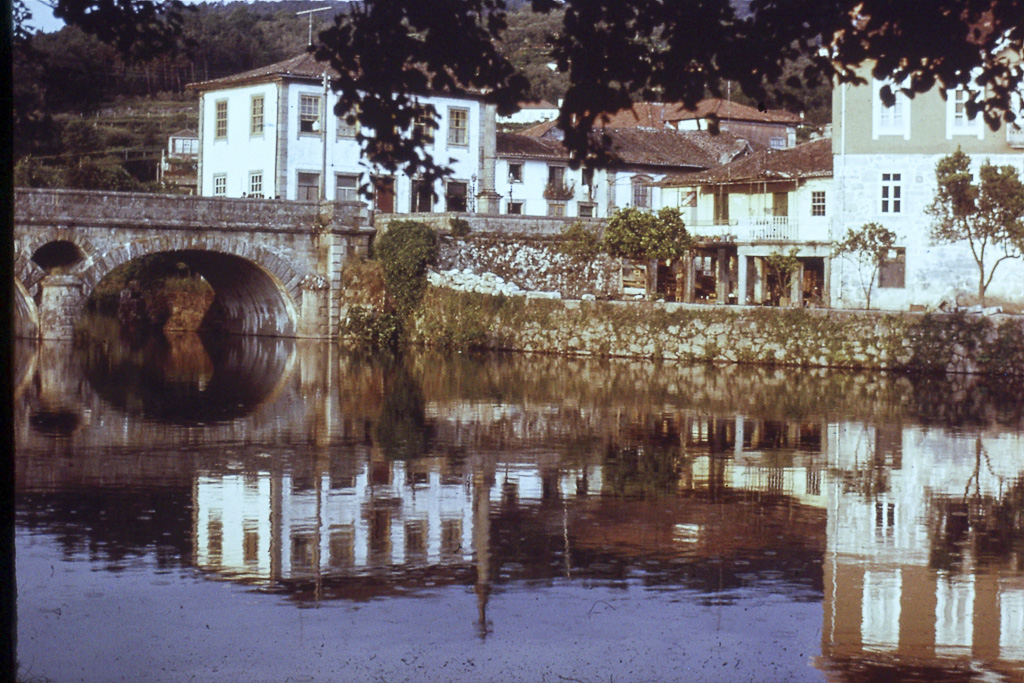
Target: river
(241, 509)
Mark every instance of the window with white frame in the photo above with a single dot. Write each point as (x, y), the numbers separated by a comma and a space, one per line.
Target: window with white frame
(515, 173)
(641, 192)
(892, 193)
(958, 121)
(424, 125)
(309, 114)
(256, 184)
(256, 117)
(890, 120)
(348, 125)
(220, 127)
(346, 187)
(818, 203)
(458, 126)
(556, 208)
(220, 184)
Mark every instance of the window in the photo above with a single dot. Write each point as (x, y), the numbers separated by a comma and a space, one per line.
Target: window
(309, 114)
(777, 142)
(641, 192)
(515, 208)
(424, 125)
(957, 120)
(892, 269)
(587, 177)
(515, 173)
(256, 184)
(892, 194)
(892, 120)
(309, 187)
(556, 176)
(721, 207)
(346, 188)
(586, 210)
(184, 146)
(256, 122)
(348, 129)
(220, 128)
(818, 203)
(458, 126)
(556, 209)
(422, 196)
(455, 196)
(220, 184)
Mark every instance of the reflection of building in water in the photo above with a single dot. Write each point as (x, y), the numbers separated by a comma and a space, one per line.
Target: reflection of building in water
(921, 563)
(764, 456)
(277, 525)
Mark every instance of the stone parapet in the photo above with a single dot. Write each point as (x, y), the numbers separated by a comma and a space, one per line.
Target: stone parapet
(133, 209)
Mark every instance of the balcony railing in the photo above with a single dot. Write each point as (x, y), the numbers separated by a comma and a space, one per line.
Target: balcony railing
(1015, 135)
(767, 229)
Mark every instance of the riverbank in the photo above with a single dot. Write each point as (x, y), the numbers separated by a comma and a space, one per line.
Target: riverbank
(919, 342)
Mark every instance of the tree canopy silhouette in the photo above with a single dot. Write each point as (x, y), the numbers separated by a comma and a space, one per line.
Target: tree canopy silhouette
(613, 52)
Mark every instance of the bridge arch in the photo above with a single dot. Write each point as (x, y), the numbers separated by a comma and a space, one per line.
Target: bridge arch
(258, 292)
(29, 271)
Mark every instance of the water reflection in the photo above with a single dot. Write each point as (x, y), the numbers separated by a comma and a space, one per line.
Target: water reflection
(317, 476)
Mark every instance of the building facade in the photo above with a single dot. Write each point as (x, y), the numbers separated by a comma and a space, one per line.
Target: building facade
(273, 132)
(885, 159)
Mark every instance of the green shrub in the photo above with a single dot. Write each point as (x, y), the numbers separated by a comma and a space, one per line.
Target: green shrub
(580, 242)
(636, 234)
(372, 329)
(404, 251)
(459, 227)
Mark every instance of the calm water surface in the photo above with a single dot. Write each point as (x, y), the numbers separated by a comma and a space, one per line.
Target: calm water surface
(269, 510)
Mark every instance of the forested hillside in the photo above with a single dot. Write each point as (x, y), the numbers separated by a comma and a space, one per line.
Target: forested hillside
(81, 110)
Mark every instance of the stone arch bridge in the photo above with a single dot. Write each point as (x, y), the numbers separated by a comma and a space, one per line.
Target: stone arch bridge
(275, 265)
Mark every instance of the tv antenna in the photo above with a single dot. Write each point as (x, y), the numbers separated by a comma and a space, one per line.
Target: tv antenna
(310, 12)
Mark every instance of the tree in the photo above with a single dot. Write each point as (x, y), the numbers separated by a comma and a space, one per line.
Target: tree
(611, 52)
(988, 215)
(780, 268)
(867, 246)
(640, 235)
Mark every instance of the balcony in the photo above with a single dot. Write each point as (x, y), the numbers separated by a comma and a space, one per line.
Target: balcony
(767, 229)
(1015, 136)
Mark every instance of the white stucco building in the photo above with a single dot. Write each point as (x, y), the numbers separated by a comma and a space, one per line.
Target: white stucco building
(885, 160)
(272, 132)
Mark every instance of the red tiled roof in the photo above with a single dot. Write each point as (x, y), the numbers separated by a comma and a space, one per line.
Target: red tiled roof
(512, 145)
(809, 160)
(300, 67)
(728, 111)
(635, 146)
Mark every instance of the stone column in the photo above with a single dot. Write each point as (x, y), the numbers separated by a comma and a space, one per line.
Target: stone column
(487, 199)
(314, 309)
(59, 306)
(743, 265)
(826, 283)
(722, 282)
(796, 288)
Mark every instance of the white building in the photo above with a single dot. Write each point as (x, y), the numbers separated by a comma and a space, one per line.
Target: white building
(272, 132)
(885, 160)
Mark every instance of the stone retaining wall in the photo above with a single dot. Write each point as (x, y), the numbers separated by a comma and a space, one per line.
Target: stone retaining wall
(952, 343)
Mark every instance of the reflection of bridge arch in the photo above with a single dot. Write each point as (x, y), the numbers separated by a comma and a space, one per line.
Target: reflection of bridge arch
(257, 290)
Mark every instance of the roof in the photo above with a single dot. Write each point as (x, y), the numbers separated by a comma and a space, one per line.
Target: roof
(303, 67)
(809, 160)
(657, 115)
(184, 133)
(634, 146)
(727, 110)
(512, 145)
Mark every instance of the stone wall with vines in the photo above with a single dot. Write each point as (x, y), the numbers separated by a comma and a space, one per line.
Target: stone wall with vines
(929, 343)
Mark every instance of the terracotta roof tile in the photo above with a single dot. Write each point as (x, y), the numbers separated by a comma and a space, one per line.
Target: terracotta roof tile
(728, 111)
(634, 146)
(809, 160)
(300, 67)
